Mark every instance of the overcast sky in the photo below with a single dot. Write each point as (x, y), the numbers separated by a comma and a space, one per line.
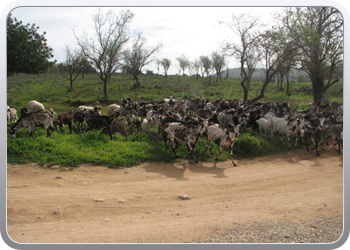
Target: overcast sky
(189, 31)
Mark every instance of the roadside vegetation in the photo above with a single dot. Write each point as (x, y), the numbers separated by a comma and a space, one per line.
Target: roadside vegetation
(96, 148)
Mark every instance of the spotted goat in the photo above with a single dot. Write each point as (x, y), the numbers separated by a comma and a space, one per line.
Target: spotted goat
(30, 121)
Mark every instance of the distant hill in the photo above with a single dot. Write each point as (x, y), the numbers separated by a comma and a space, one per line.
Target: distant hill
(258, 75)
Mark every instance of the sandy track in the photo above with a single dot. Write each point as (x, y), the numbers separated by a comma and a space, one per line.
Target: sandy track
(141, 204)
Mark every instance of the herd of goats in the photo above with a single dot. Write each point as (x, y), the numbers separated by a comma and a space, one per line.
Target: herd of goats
(185, 121)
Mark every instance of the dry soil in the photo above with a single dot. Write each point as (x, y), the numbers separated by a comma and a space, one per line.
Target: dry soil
(292, 197)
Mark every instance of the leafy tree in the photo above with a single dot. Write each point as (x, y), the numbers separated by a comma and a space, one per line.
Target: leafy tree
(218, 64)
(318, 32)
(27, 50)
(196, 67)
(138, 56)
(165, 62)
(184, 63)
(104, 49)
(158, 63)
(206, 64)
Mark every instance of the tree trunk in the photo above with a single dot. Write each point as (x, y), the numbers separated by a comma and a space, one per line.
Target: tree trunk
(245, 91)
(287, 79)
(262, 91)
(318, 88)
(317, 91)
(227, 72)
(137, 84)
(105, 87)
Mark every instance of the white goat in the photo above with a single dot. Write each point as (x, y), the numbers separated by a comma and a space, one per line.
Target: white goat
(214, 133)
(11, 115)
(113, 108)
(135, 121)
(265, 126)
(288, 128)
(35, 106)
(145, 125)
(89, 110)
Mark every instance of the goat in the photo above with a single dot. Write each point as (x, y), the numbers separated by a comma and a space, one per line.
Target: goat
(62, 119)
(189, 134)
(214, 133)
(11, 115)
(119, 124)
(265, 126)
(145, 125)
(31, 121)
(113, 108)
(98, 121)
(194, 105)
(286, 127)
(136, 121)
(89, 110)
(165, 120)
(224, 138)
(35, 106)
(336, 133)
(78, 119)
(313, 133)
(229, 116)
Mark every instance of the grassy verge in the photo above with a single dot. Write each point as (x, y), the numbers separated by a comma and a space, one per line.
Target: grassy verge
(96, 148)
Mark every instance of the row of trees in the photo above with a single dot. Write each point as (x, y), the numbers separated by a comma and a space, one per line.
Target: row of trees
(207, 65)
(310, 39)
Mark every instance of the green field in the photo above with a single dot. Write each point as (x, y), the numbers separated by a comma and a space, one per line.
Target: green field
(96, 148)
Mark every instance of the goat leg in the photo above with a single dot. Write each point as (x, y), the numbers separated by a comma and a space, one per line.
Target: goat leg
(233, 160)
(220, 151)
(192, 149)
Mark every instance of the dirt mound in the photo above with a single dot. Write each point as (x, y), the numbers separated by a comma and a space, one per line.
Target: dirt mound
(143, 204)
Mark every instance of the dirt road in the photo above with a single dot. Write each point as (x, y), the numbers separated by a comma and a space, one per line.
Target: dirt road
(142, 204)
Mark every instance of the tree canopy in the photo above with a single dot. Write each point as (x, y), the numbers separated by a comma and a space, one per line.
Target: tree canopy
(27, 50)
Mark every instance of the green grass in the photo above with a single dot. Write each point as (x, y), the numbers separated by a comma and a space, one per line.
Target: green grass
(96, 148)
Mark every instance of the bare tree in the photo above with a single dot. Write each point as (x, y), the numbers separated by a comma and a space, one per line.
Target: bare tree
(104, 49)
(246, 51)
(277, 50)
(73, 64)
(138, 56)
